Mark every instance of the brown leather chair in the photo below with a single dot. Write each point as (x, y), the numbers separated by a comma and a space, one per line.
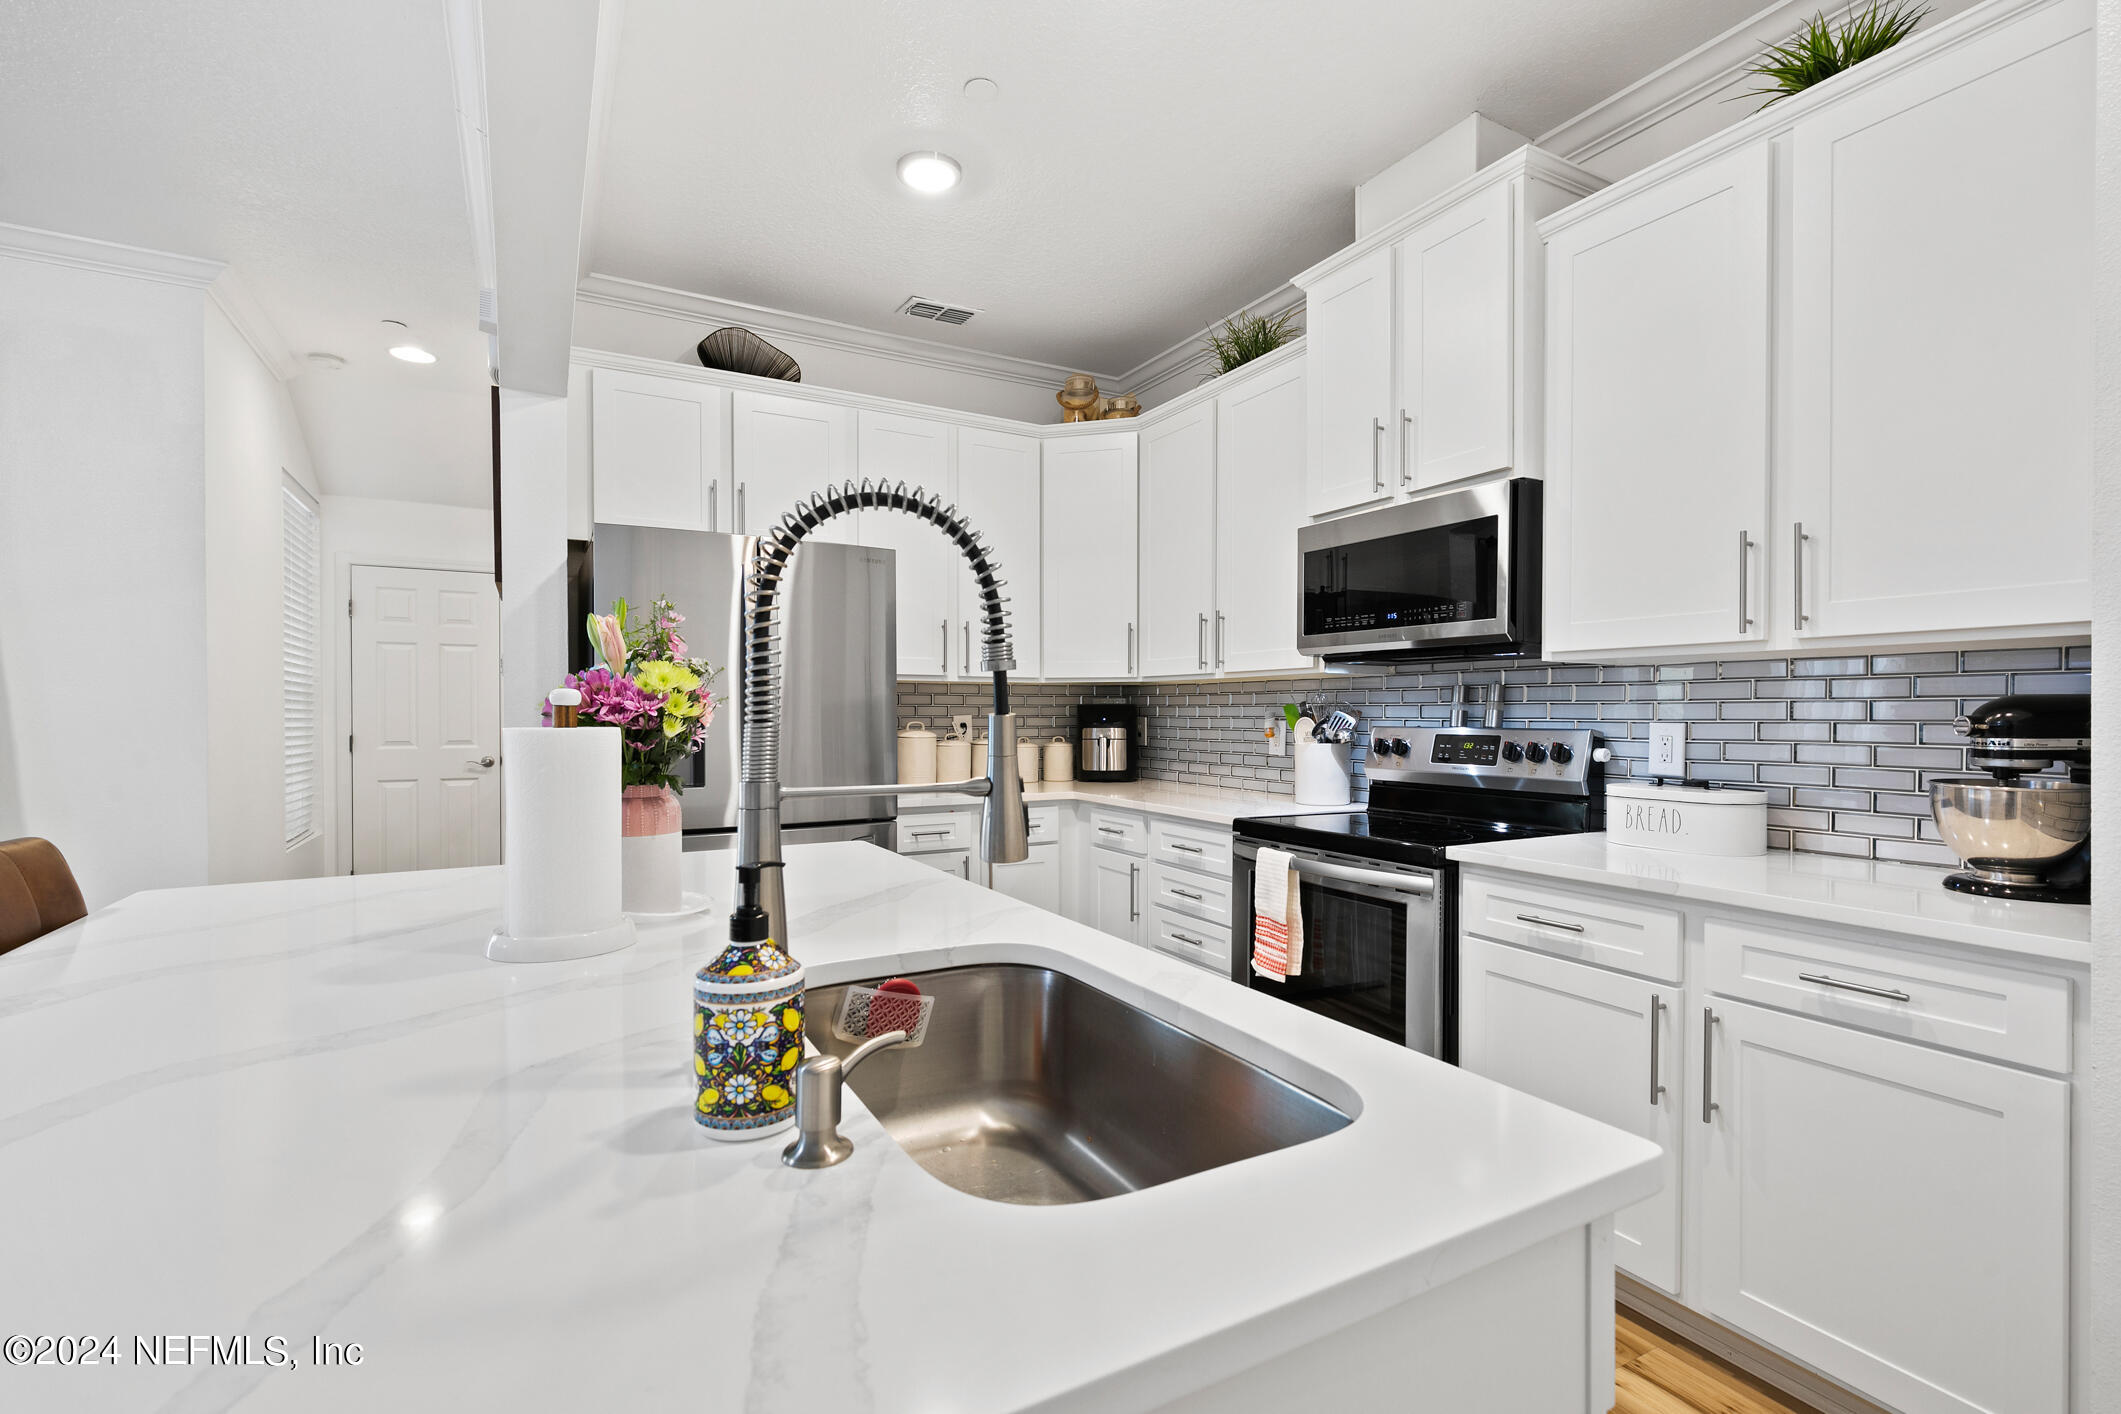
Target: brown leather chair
(37, 892)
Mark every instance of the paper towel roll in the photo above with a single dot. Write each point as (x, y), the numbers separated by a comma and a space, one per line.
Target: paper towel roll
(560, 823)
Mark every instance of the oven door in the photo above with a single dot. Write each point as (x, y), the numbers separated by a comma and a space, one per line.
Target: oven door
(1374, 954)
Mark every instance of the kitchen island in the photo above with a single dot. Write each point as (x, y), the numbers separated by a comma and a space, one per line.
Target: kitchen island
(312, 1113)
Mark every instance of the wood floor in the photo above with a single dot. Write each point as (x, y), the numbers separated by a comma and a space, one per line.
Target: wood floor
(1658, 1373)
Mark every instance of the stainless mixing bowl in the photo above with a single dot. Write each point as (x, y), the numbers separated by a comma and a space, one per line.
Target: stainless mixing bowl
(2011, 834)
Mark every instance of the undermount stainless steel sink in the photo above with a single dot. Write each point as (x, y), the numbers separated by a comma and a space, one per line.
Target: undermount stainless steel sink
(1033, 1087)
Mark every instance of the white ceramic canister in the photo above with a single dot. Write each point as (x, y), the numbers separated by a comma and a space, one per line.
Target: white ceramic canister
(1060, 759)
(916, 755)
(1730, 821)
(1323, 776)
(1027, 761)
(953, 759)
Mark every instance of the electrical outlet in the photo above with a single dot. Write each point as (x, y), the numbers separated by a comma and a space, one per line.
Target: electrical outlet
(961, 724)
(1668, 748)
(1277, 733)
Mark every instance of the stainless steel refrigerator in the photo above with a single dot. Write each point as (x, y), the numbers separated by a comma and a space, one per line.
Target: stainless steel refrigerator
(839, 651)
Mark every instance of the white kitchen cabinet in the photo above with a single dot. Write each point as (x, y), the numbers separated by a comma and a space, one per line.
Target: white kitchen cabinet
(891, 449)
(1894, 1215)
(784, 450)
(997, 489)
(1178, 549)
(1036, 879)
(1087, 558)
(1457, 393)
(659, 451)
(1348, 342)
(1259, 502)
(1941, 240)
(1658, 330)
(1597, 1042)
(1115, 894)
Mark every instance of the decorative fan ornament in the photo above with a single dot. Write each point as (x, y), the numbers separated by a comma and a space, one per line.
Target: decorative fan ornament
(738, 350)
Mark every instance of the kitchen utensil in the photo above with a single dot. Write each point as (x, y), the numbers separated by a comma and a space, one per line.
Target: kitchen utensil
(1060, 759)
(916, 755)
(1687, 819)
(2022, 836)
(1340, 726)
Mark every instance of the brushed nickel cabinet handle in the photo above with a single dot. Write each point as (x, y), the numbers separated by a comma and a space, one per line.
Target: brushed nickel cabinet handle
(1708, 1065)
(1798, 537)
(1220, 636)
(1134, 876)
(1891, 994)
(1656, 1044)
(714, 504)
(1110, 830)
(964, 664)
(1536, 921)
(1188, 893)
(1745, 594)
(1406, 452)
(1188, 848)
(1130, 650)
(946, 645)
(1377, 454)
(740, 508)
(1200, 641)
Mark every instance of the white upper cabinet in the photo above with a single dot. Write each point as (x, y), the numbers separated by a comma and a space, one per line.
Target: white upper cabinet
(1941, 362)
(1178, 550)
(659, 450)
(1088, 537)
(1657, 414)
(786, 449)
(997, 490)
(916, 451)
(1259, 502)
(1456, 382)
(1348, 342)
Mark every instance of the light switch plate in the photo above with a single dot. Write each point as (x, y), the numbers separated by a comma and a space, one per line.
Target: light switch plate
(1668, 748)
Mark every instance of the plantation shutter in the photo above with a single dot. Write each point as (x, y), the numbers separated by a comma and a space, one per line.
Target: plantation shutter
(300, 557)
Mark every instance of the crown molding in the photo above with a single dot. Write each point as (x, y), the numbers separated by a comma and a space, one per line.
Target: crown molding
(234, 299)
(1190, 355)
(614, 292)
(108, 257)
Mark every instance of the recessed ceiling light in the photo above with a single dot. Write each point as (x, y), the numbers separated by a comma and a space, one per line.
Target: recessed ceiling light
(929, 172)
(411, 353)
(981, 89)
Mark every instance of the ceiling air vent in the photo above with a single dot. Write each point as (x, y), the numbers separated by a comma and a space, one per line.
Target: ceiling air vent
(922, 308)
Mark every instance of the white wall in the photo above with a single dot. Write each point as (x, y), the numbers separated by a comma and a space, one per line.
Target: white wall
(362, 530)
(251, 436)
(103, 655)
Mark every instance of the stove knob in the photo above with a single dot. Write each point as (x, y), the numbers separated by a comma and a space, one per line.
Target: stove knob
(1601, 754)
(1378, 747)
(1511, 751)
(1534, 752)
(1561, 753)
(1399, 746)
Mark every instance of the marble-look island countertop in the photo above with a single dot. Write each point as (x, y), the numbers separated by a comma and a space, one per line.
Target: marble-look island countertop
(313, 1110)
(1865, 893)
(1208, 805)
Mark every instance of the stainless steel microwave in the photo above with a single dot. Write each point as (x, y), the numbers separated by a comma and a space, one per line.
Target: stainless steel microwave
(1451, 575)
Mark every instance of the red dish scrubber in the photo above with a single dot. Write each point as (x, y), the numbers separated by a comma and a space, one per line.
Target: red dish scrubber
(896, 1007)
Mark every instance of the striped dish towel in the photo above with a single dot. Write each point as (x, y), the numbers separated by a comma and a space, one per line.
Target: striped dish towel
(1277, 917)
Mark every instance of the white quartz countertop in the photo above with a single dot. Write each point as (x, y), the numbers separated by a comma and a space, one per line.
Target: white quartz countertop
(1210, 805)
(1864, 893)
(314, 1109)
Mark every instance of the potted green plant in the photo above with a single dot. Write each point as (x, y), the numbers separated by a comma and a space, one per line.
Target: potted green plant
(1245, 337)
(1821, 50)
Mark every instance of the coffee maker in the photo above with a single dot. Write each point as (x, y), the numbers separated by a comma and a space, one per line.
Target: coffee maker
(2023, 832)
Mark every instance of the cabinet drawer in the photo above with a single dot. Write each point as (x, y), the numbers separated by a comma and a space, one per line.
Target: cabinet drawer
(1203, 944)
(1184, 891)
(1045, 824)
(2003, 1013)
(1191, 846)
(951, 861)
(1589, 927)
(1109, 829)
(938, 830)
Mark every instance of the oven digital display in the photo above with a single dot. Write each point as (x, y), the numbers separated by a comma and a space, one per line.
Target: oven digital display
(1465, 750)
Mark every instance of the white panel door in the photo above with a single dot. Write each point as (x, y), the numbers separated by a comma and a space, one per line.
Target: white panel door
(1088, 535)
(1348, 344)
(659, 451)
(1657, 415)
(1942, 247)
(916, 451)
(426, 687)
(1035, 880)
(1456, 387)
(1895, 1216)
(1597, 1042)
(1178, 544)
(1259, 502)
(997, 490)
(1115, 894)
(784, 450)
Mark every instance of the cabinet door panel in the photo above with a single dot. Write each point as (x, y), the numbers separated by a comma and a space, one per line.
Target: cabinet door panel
(916, 451)
(1455, 302)
(1657, 430)
(1942, 230)
(1178, 544)
(1348, 344)
(1259, 502)
(1035, 880)
(1088, 557)
(1115, 894)
(786, 449)
(1581, 1038)
(997, 489)
(1896, 1216)
(659, 451)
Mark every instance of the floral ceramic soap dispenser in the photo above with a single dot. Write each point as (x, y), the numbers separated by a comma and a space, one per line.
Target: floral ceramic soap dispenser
(747, 1028)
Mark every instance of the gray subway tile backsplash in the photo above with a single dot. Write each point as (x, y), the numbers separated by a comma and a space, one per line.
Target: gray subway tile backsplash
(1844, 746)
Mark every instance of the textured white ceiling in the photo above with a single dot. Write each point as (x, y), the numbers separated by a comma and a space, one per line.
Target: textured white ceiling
(1146, 166)
(312, 147)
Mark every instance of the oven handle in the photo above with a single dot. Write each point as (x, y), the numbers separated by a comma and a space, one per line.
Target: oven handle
(1405, 883)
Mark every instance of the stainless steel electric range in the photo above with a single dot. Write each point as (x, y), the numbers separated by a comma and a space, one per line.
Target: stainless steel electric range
(1378, 895)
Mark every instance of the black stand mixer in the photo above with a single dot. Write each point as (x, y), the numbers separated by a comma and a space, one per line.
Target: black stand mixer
(2022, 834)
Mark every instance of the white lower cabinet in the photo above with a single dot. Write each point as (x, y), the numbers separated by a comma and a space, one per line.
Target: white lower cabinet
(951, 861)
(1895, 1215)
(1115, 894)
(1036, 880)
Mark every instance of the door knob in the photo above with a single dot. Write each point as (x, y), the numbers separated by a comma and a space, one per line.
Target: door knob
(484, 763)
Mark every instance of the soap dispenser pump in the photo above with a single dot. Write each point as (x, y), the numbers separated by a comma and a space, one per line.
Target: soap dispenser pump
(747, 1028)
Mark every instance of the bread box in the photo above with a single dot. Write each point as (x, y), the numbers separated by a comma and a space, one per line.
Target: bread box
(1686, 818)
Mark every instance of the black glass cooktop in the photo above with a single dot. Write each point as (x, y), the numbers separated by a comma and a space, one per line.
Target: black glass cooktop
(1405, 837)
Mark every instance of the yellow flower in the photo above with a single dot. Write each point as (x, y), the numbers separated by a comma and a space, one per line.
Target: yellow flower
(776, 1097)
(789, 1057)
(792, 1021)
(709, 1098)
(661, 675)
(673, 726)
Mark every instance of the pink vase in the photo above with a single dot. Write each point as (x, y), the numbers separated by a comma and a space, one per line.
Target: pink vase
(651, 847)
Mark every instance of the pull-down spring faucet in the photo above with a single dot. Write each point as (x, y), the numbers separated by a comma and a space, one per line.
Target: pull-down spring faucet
(1004, 822)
